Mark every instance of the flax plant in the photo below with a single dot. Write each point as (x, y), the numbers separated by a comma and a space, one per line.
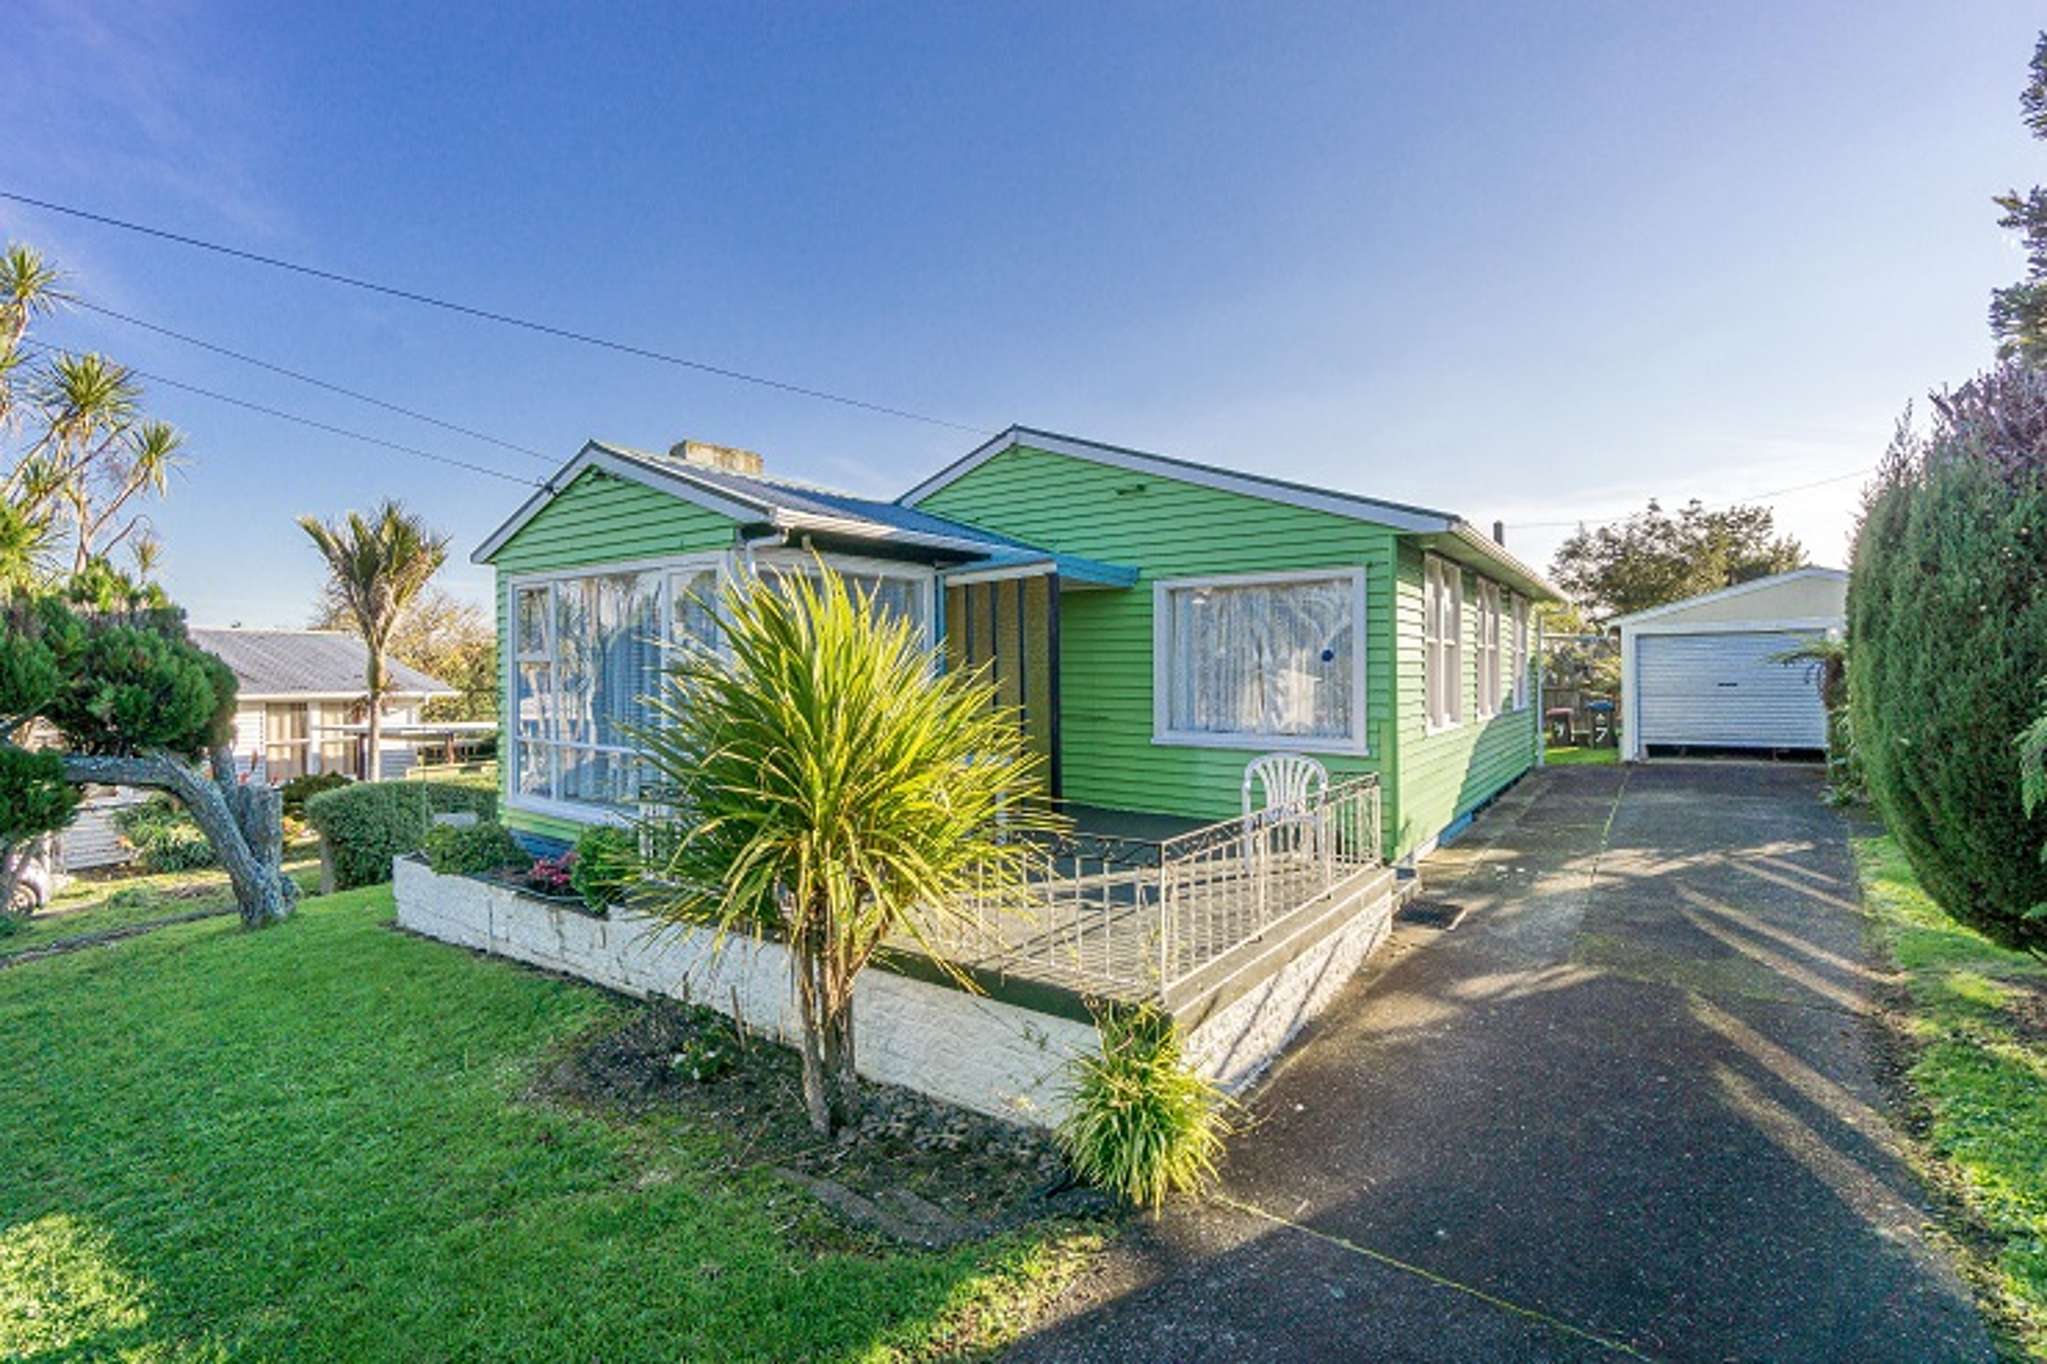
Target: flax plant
(829, 787)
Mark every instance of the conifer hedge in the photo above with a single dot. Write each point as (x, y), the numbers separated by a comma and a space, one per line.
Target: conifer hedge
(1947, 628)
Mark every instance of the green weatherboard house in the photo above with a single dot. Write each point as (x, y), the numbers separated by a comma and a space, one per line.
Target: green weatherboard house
(1158, 623)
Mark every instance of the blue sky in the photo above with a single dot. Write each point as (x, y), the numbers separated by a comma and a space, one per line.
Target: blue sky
(1533, 264)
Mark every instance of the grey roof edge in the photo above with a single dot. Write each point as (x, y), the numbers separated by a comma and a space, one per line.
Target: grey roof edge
(1724, 593)
(1399, 515)
(257, 683)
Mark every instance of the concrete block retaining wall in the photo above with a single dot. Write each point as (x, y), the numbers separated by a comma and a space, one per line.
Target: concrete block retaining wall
(981, 1053)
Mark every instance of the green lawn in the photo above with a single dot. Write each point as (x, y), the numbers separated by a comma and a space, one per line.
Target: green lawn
(1979, 1021)
(1573, 756)
(97, 903)
(315, 1142)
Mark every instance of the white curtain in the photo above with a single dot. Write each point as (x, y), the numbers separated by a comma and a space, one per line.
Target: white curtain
(1274, 659)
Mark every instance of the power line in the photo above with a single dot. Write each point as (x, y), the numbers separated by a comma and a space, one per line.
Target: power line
(1716, 506)
(490, 315)
(316, 425)
(304, 378)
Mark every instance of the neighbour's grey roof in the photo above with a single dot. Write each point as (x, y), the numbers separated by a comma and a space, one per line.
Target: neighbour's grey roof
(305, 662)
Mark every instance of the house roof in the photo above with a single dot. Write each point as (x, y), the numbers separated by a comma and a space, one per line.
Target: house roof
(774, 504)
(1448, 532)
(277, 664)
(1753, 585)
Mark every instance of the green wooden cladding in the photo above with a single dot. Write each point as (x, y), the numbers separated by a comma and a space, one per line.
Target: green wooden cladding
(1170, 529)
(1167, 529)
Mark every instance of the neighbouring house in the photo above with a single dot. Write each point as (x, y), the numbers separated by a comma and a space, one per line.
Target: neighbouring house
(300, 708)
(1157, 624)
(1706, 673)
(301, 705)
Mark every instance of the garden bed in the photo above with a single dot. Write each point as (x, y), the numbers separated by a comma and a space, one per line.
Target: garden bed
(906, 1166)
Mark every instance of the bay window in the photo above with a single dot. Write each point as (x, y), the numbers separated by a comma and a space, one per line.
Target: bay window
(588, 649)
(1258, 659)
(1443, 642)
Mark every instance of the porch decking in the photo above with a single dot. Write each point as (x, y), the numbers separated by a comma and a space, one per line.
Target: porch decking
(1144, 907)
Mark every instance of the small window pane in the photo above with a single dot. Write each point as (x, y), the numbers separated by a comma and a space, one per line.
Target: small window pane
(595, 777)
(694, 612)
(533, 622)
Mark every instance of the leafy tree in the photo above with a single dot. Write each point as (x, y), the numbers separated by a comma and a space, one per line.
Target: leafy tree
(134, 703)
(2018, 314)
(376, 568)
(1653, 558)
(1947, 618)
(833, 791)
(444, 637)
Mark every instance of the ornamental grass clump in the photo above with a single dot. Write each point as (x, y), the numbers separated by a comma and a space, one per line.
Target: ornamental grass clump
(834, 790)
(1141, 1124)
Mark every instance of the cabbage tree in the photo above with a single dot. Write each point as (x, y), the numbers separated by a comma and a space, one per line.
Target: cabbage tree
(831, 790)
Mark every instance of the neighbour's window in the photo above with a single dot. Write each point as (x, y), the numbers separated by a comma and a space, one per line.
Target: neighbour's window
(1522, 641)
(285, 741)
(1443, 641)
(1261, 658)
(1488, 648)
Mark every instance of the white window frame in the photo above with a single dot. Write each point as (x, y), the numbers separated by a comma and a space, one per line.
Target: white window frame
(802, 561)
(552, 804)
(1442, 644)
(727, 565)
(1523, 629)
(1358, 741)
(1488, 651)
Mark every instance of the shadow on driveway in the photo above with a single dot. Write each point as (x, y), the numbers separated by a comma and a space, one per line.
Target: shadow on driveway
(1628, 1107)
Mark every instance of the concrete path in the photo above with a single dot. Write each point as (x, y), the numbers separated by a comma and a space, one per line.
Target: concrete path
(1629, 1107)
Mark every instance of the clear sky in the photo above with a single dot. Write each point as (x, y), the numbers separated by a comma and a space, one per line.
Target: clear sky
(1534, 263)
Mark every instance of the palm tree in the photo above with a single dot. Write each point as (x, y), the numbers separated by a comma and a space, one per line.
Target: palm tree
(375, 568)
(29, 287)
(835, 791)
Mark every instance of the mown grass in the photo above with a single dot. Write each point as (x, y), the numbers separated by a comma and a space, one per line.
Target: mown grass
(1570, 755)
(1979, 1031)
(96, 904)
(317, 1142)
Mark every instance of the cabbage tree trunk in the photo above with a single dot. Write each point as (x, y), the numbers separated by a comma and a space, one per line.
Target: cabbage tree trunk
(243, 821)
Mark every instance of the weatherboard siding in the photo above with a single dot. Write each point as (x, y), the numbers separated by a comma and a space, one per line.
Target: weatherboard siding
(597, 519)
(1445, 775)
(1166, 529)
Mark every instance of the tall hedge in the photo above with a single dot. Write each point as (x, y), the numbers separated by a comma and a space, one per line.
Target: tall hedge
(366, 824)
(1947, 627)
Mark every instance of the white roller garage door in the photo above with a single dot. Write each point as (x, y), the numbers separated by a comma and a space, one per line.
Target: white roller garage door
(1725, 691)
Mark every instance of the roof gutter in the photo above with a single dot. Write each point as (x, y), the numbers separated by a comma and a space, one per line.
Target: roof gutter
(1473, 539)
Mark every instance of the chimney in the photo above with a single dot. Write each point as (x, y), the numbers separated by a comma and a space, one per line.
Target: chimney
(730, 458)
(1500, 533)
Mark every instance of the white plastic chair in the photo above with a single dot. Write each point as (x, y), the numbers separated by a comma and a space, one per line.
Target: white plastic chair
(1288, 781)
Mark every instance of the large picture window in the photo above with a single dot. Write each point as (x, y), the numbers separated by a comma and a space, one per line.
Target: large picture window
(1443, 641)
(588, 650)
(1261, 658)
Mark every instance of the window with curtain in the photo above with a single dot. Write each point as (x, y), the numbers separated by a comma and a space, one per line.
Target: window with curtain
(285, 741)
(1522, 642)
(588, 650)
(1489, 632)
(1443, 641)
(1270, 657)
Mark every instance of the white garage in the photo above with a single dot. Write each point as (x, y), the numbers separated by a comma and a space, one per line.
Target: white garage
(1703, 673)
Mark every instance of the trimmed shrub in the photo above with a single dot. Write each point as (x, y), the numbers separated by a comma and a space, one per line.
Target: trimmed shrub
(481, 847)
(299, 790)
(478, 798)
(1142, 1125)
(603, 862)
(1947, 617)
(367, 823)
(164, 837)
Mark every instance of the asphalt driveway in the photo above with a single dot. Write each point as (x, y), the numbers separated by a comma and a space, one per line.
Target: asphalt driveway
(1628, 1107)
